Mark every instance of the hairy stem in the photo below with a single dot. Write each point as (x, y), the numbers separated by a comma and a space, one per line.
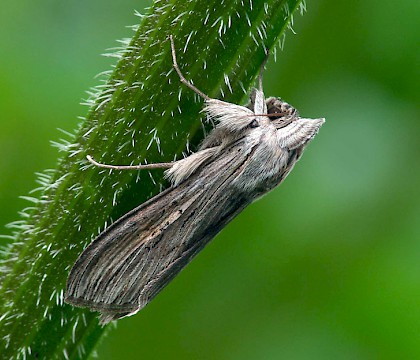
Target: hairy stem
(141, 114)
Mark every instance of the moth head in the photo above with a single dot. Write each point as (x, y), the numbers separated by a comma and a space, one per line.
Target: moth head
(292, 131)
(280, 109)
(280, 113)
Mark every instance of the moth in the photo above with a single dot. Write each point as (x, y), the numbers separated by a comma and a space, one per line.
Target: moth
(250, 151)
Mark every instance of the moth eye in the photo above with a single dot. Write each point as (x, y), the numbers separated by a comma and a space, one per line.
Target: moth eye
(253, 124)
(278, 117)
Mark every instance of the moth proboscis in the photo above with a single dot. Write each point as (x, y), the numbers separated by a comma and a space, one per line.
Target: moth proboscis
(250, 151)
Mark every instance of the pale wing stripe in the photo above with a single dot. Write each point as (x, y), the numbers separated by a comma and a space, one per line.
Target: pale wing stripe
(161, 257)
(190, 249)
(140, 264)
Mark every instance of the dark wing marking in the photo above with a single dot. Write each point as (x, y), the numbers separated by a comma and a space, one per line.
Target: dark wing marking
(131, 261)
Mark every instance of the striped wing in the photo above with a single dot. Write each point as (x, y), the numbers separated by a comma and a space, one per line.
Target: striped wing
(131, 261)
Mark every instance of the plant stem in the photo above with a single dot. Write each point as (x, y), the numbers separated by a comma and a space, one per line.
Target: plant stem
(141, 114)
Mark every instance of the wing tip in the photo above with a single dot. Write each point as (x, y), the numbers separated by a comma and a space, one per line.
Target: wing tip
(108, 312)
(107, 317)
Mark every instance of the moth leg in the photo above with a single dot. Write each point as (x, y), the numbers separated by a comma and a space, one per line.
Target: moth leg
(260, 75)
(181, 76)
(130, 167)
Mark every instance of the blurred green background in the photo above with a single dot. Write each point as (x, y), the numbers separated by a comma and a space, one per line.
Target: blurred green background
(327, 265)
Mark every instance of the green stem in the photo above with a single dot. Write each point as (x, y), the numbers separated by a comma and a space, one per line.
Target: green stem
(142, 113)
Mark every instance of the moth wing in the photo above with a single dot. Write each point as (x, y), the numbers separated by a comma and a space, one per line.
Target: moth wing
(101, 276)
(131, 261)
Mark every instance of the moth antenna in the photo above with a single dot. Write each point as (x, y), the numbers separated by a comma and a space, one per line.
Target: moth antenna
(267, 115)
(181, 76)
(130, 167)
(260, 76)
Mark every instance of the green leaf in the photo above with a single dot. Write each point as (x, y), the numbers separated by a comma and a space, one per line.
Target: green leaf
(141, 113)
